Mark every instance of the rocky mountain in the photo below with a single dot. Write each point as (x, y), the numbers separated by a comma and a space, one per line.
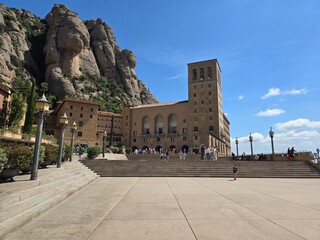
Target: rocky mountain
(74, 58)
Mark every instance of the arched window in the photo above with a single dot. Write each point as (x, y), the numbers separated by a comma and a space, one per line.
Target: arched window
(145, 126)
(172, 123)
(158, 125)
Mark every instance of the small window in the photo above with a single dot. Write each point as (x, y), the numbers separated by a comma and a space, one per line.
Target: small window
(209, 93)
(211, 128)
(194, 74)
(91, 116)
(185, 138)
(134, 140)
(195, 129)
(81, 124)
(196, 137)
(194, 87)
(79, 133)
(91, 109)
(209, 72)
(195, 95)
(81, 115)
(184, 120)
(185, 130)
(210, 118)
(210, 109)
(81, 108)
(134, 133)
(71, 107)
(70, 114)
(201, 73)
(158, 139)
(202, 102)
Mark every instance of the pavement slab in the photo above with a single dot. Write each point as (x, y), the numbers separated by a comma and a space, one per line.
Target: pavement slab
(183, 208)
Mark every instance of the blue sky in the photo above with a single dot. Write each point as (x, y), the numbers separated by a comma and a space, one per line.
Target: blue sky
(269, 53)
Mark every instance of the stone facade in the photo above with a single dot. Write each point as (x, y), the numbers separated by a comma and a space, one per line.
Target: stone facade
(185, 124)
(181, 125)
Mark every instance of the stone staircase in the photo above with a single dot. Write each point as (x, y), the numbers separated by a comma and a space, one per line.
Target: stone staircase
(152, 166)
(22, 200)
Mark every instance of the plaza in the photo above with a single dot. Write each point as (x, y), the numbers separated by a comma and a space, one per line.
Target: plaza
(183, 208)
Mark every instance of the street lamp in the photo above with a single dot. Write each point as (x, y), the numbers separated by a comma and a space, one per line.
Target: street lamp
(251, 139)
(73, 130)
(42, 108)
(63, 123)
(104, 138)
(271, 134)
(237, 142)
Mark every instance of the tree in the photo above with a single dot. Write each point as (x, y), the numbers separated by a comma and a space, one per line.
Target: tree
(111, 133)
(17, 109)
(30, 109)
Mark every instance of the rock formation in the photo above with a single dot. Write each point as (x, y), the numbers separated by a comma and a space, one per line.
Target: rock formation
(76, 57)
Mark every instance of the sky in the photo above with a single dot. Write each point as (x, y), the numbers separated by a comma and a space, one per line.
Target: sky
(269, 53)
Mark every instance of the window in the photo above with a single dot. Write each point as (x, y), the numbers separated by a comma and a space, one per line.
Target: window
(196, 137)
(194, 74)
(184, 130)
(145, 139)
(79, 133)
(195, 103)
(70, 114)
(81, 115)
(195, 95)
(184, 120)
(172, 139)
(210, 118)
(134, 133)
(91, 109)
(209, 72)
(134, 140)
(211, 128)
(81, 108)
(202, 102)
(209, 92)
(195, 129)
(209, 85)
(91, 116)
(209, 101)
(185, 138)
(201, 73)
(210, 109)
(80, 123)
(71, 107)
(194, 87)
(158, 139)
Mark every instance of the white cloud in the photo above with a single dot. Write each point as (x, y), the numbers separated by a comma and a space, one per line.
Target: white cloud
(296, 91)
(277, 92)
(174, 77)
(241, 97)
(272, 92)
(297, 123)
(270, 112)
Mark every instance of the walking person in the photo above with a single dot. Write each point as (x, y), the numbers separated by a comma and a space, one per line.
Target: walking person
(235, 171)
(202, 149)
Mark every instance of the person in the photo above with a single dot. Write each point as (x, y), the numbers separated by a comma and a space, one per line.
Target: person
(216, 151)
(292, 151)
(211, 153)
(202, 152)
(235, 170)
(289, 154)
(207, 151)
(184, 154)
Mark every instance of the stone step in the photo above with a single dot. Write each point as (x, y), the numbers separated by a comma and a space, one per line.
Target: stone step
(221, 168)
(53, 186)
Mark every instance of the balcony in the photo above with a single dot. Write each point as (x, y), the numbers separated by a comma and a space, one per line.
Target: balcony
(175, 134)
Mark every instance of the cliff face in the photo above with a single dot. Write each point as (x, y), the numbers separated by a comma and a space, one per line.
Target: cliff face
(76, 58)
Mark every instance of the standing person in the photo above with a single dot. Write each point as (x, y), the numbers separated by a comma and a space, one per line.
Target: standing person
(207, 151)
(289, 154)
(235, 170)
(292, 153)
(211, 153)
(216, 151)
(202, 152)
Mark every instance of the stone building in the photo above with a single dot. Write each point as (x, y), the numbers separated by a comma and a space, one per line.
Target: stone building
(91, 123)
(183, 125)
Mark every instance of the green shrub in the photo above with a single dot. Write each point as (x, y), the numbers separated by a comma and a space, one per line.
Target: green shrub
(19, 157)
(196, 150)
(51, 152)
(128, 150)
(114, 149)
(41, 153)
(93, 152)
(3, 159)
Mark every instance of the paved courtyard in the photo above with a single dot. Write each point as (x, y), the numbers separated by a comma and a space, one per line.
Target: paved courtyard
(183, 208)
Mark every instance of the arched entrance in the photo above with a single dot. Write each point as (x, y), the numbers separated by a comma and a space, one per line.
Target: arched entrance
(185, 148)
(145, 149)
(134, 148)
(158, 148)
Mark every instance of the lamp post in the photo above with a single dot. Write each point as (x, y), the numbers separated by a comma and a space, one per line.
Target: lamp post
(73, 130)
(104, 138)
(42, 107)
(271, 134)
(63, 123)
(251, 139)
(237, 142)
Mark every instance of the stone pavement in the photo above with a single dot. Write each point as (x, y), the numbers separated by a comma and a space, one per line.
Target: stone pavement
(183, 208)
